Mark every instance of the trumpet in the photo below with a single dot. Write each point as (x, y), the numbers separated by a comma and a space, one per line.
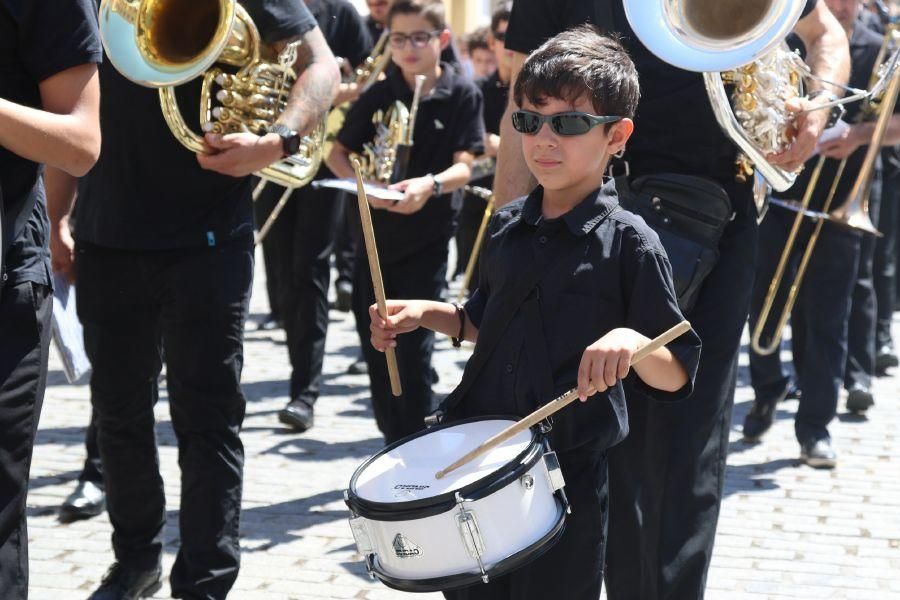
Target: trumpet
(852, 213)
(164, 43)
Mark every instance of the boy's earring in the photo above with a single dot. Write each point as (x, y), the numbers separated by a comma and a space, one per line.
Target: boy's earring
(620, 153)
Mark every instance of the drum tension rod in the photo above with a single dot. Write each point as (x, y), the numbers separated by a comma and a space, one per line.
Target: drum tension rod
(468, 529)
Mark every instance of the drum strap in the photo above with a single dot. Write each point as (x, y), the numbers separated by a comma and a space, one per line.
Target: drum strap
(491, 332)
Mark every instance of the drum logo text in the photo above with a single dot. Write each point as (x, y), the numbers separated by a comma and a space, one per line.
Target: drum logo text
(404, 548)
(411, 486)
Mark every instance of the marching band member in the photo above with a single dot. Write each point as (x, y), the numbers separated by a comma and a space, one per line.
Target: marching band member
(667, 477)
(602, 282)
(49, 104)
(413, 233)
(164, 258)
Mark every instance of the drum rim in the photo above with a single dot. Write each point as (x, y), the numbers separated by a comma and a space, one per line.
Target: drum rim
(502, 567)
(426, 507)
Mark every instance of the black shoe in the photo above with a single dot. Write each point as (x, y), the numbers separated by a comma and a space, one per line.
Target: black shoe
(88, 500)
(859, 400)
(818, 454)
(298, 414)
(886, 358)
(270, 323)
(127, 583)
(359, 367)
(793, 392)
(344, 300)
(760, 418)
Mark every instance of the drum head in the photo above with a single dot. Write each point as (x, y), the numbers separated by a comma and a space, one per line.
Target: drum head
(405, 472)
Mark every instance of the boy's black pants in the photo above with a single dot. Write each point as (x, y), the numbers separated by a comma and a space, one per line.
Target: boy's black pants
(194, 302)
(419, 276)
(573, 568)
(25, 311)
(667, 477)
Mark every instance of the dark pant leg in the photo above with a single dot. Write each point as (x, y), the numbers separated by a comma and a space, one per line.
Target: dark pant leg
(421, 276)
(205, 299)
(304, 292)
(119, 311)
(276, 244)
(93, 466)
(885, 261)
(667, 477)
(860, 367)
(767, 376)
(25, 311)
(825, 298)
(573, 568)
(470, 217)
(345, 244)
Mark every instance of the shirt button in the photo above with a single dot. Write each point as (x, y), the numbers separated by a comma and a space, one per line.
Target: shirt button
(509, 367)
(543, 239)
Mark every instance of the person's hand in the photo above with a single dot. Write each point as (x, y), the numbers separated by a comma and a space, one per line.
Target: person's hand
(607, 360)
(403, 316)
(807, 127)
(491, 144)
(843, 145)
(62, 250)
(416, 193)
(240, 154)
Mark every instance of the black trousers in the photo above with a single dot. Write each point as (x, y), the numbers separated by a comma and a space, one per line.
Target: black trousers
(93, 465)
(573, 568)
(666, 479)
(345, 244)
(470, 216)
(885, 261)
(820, 329)
(25, 311)
(297, 252)
(194, 302)
(860, 367)
(423, 276)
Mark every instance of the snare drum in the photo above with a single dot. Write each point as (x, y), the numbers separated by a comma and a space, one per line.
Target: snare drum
(489, 517)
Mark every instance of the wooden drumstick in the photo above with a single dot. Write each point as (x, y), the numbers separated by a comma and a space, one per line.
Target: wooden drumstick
(375, 268)
(558, 403)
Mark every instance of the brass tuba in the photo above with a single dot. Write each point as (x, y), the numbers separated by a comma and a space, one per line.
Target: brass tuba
(164, 43)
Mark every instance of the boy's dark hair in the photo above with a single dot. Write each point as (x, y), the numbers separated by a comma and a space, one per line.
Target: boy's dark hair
(430, 10)
(477, 40)
(502, 13)
(579, 62)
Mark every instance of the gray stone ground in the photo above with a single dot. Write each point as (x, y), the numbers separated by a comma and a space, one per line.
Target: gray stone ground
(786, 531)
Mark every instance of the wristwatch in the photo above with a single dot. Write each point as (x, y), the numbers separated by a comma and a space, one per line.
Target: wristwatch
(437, 188)
(290, 139)
(836, 112)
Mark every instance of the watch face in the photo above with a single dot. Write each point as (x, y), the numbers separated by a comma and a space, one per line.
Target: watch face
(291, 144)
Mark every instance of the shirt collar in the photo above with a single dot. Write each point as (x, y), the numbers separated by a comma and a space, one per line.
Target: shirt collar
(582, 219)
(443, 88)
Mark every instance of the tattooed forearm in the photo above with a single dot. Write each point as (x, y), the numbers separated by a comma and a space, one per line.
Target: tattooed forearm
(316, 86)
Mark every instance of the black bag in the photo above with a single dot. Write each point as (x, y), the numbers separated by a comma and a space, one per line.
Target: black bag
(689, 214)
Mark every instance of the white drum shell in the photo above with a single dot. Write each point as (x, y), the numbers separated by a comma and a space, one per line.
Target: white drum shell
(509, 520)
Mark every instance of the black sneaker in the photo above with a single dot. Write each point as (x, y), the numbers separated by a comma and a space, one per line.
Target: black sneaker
(88, 500)
(358, 367)
(886, 358)
(128, 583)
(298, 414)
(344, 296)
(859, 400)
(759, 419)
(818, 454)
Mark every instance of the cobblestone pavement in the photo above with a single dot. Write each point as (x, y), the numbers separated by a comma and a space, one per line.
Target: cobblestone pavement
(786, 530)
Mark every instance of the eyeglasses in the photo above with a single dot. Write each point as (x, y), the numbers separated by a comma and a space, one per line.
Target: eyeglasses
(565, 123)
(418, 39)
(500, 36)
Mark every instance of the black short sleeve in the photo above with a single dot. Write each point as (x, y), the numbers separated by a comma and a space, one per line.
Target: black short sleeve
(652, 309)
(56, 36)
(279, 20)
(358, 128)
(470, 137)
(810, 5)
(532, 22)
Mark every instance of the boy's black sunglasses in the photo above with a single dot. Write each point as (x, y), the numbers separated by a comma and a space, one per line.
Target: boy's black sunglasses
(565, 123)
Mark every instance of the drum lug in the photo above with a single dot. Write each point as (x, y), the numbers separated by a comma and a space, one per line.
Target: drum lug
(361, 536)
(471, 535)
(434, 418)
(554, 474)
(370, 566)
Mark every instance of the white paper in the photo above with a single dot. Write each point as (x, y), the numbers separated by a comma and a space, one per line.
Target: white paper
(349, 185)
(66, 331)
(831, 133)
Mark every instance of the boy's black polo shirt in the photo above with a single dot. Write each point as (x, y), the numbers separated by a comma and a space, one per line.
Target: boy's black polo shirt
(609, 271)
(147, 192)
(37, 40)
(343, 28)
(449, 120)
(675, 128)
(864, 47)
(495, 94)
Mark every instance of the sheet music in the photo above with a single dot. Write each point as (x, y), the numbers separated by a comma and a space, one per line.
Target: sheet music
(349, 185)
(66, 331)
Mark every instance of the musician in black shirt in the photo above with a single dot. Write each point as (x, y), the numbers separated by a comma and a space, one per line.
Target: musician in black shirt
(49, 103)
